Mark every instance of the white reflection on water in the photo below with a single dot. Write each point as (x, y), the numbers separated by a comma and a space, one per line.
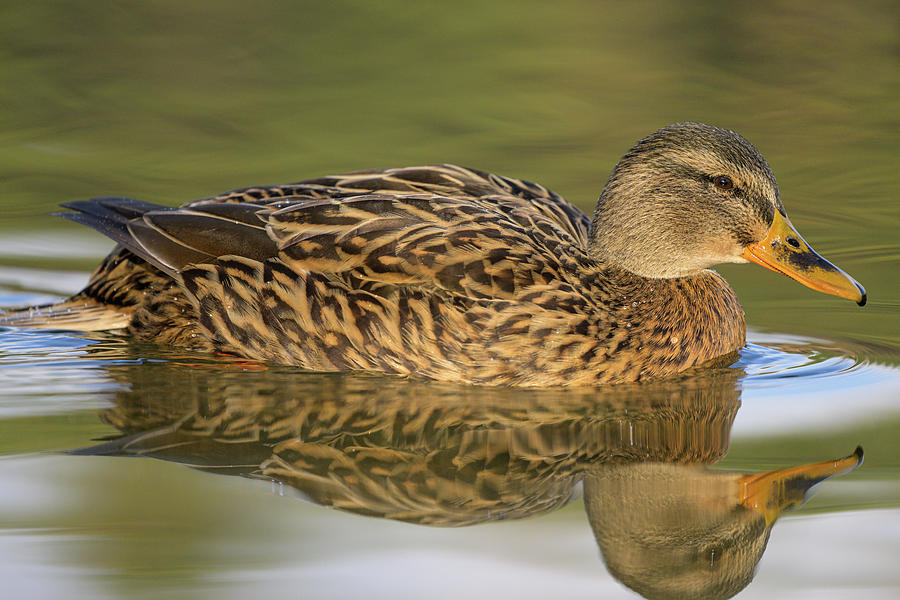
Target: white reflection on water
(847, 553)
(63, 283)
(851, 554)
(31, 567)
(34, 563)
(65, 245)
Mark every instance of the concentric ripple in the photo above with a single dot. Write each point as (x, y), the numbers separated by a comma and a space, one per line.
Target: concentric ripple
(769, 358)
(812, 384)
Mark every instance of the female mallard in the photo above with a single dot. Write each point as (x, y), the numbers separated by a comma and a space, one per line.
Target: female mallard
(455, 274)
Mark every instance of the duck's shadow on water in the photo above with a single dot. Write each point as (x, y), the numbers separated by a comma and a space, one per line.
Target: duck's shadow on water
(443, 455)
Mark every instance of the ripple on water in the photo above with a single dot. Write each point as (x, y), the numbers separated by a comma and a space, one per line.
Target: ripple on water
(771, 359)
(51, 372)
(787, 357)
(794, 383)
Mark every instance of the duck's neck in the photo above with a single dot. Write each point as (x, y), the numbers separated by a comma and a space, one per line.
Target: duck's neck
(677, 323)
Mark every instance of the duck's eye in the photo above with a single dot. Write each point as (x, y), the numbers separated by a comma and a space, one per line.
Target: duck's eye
(723, 182)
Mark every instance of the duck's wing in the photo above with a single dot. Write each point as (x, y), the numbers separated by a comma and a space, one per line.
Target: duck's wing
(491, 248)
(440, 226)
(170, 238)
(452, 181)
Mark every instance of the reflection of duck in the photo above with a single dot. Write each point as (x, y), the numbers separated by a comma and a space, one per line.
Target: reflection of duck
(453, 455)
(455, 274)
(415, 451)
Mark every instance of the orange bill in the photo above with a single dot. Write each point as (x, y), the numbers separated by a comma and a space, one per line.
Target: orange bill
(771, 492)
(785, 252)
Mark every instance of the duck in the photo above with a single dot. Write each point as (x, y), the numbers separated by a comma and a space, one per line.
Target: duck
(455, 274)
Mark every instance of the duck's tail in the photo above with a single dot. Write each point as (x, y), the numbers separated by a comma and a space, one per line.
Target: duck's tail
(78, 313)
(154, 243)
(115, 287)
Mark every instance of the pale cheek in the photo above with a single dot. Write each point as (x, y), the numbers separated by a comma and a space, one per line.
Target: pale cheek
(722, 251)
(734, 259)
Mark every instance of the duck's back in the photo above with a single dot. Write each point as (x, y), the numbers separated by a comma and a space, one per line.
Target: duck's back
(487, 190)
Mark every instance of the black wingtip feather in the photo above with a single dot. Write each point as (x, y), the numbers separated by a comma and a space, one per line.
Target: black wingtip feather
(113, 207)
(170, 238)
(116, 230)
(111, 215)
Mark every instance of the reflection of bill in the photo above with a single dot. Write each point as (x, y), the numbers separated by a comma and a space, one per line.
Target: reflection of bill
(446, 455)
(669, 531)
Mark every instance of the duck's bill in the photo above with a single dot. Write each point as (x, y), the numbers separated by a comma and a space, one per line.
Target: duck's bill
(772, 492)
(784, 251)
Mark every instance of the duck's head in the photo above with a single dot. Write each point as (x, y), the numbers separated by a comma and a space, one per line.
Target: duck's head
(690, 196)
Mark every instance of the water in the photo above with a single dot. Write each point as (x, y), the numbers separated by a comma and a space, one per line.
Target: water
(415, 452)
(270, 481)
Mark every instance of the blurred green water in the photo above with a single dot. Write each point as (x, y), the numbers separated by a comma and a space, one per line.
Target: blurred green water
(168, 102)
